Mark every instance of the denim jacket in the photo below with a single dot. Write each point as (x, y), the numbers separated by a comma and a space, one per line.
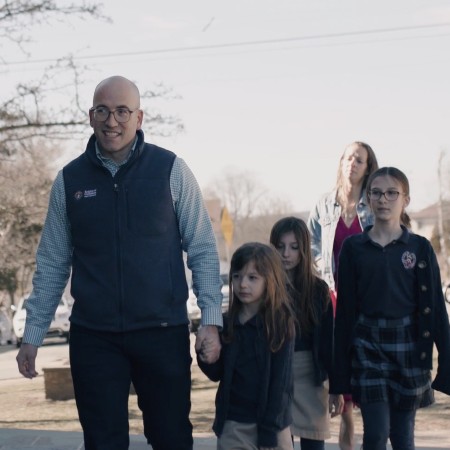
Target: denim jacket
(322, 223)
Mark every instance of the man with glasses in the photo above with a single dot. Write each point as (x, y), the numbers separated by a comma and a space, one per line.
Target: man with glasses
(120, 216)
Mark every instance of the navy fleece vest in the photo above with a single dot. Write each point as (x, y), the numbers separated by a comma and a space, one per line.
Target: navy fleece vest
(127, 265)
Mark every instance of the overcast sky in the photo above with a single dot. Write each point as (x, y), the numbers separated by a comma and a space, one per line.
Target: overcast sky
(278, 88)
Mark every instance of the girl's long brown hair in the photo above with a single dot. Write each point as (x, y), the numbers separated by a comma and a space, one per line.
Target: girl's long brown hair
(276, 310)
(305, 280)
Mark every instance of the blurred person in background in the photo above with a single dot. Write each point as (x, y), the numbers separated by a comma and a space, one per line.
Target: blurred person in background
(338, 214)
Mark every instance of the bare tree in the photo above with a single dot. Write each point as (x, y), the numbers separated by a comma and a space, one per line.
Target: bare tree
(442, 240)
(27, 113)
(17, 17)
(240, 191)
(252, 207)
(25, 182)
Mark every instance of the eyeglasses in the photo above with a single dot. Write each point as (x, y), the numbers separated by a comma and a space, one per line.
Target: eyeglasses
(390, 195)
(122, 115)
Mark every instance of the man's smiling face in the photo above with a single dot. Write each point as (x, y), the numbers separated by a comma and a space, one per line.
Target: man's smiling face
(114, 138)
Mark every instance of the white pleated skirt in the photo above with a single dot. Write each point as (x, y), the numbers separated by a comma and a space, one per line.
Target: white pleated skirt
(310, 415)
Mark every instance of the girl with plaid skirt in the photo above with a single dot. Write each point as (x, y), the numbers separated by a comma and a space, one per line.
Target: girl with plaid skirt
(390, 313)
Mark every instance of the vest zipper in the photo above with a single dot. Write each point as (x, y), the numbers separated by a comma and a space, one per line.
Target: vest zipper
(119, 253)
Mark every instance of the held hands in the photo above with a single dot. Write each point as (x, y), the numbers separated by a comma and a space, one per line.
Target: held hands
(336, 404)
(26, 359)
(207, 344)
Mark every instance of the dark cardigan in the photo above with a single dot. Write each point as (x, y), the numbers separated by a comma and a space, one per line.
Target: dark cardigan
(433, 326)
(321, 335)
(274, 403)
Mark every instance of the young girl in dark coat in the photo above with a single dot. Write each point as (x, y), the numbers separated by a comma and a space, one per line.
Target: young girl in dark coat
(312, 406)
(390, 313)
(253, 401)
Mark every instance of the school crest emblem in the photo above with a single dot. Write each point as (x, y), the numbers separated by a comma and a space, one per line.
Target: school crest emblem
(409, 260)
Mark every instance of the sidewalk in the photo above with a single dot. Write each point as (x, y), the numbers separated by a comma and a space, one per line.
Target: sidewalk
(13, 439)
(27, 417)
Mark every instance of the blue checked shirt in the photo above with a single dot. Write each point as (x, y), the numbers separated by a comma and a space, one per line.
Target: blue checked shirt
(54, 254)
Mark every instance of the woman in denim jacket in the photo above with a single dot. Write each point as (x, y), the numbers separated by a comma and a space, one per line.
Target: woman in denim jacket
(338, 214)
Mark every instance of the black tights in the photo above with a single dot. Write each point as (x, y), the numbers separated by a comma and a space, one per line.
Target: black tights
(310, 444)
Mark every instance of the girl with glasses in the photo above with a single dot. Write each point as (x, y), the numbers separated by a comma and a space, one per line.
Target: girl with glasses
(390, 313)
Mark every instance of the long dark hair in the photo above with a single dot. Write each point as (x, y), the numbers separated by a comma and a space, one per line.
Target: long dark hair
(305, 280)
(275, 311)
(398, 175)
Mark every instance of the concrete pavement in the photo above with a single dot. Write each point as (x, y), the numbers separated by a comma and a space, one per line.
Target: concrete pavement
(14, 439)
(428, 436)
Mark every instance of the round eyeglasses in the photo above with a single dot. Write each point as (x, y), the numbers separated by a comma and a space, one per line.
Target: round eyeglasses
(122, 115)
(390, 195)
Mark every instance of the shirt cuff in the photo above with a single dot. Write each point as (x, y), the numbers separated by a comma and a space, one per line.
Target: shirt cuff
(212, 316)
(33, 335)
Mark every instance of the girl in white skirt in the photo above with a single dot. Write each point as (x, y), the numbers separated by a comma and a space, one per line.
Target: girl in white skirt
(312, 406)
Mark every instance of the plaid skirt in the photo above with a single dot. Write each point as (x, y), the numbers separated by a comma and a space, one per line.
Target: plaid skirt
(382, 364)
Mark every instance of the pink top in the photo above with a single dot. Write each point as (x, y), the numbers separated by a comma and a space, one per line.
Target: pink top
(342, 232)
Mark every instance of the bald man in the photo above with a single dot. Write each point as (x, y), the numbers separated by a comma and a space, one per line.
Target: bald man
(120, 217)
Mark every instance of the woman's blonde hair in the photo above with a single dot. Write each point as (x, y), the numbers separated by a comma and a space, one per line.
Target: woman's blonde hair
(372, 163)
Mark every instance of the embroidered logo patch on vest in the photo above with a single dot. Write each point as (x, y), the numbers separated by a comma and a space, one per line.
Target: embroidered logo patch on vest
(86, 194)
(90, 193)
(409, 260)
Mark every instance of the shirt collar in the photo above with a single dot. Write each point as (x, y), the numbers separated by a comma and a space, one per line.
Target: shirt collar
(105, 160)
(253, 321)
(404, 238)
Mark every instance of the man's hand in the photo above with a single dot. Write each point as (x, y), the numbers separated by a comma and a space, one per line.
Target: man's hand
(26, 359)
(207, 344)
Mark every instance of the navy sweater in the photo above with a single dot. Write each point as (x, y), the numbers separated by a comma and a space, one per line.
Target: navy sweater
(275, 384)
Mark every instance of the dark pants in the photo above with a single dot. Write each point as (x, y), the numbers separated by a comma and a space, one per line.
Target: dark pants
(382, 421)
(157, 361)
(309, 444)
